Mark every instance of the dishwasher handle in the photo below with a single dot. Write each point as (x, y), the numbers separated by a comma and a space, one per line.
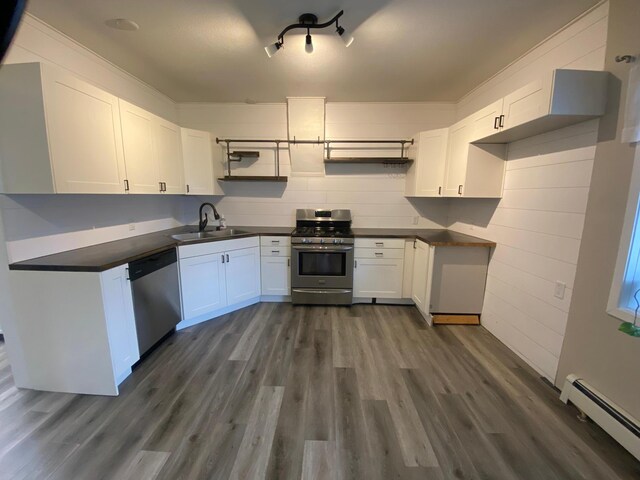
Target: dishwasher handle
(152, 263)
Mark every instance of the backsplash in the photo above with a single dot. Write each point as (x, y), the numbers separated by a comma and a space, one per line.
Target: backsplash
(374, 193)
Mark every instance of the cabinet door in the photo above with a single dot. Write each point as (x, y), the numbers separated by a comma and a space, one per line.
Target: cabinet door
(243, 274)
(528, 103)
(276, 275)
(198, 162)
(138, 131)
(429, 164)
(457, 155)
(168, 141)
(85, 142)
(486, 122)
(378, 278)
(121, 324)
(420, 275)
(202, 281)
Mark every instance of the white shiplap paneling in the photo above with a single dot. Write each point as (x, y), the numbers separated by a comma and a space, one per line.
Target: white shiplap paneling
(538, 223)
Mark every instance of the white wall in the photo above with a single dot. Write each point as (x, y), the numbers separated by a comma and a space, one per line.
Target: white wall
(538, 223)
(375, 194)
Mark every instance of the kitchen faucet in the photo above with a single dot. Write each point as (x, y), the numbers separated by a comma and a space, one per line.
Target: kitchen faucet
(202, 224)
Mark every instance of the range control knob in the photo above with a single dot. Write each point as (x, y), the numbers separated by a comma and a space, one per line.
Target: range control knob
(322, 240)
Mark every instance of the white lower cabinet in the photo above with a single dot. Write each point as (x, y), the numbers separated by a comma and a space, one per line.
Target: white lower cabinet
(218, 275)
(275, 265)
(242, 274)
(378, 278)
(276, 275)
(86, 339)
(120, 319)
(378, 272)
(421, 284)
(203, 284)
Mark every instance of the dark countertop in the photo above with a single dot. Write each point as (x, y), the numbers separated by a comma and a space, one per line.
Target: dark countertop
(435, 237)
(104, 256)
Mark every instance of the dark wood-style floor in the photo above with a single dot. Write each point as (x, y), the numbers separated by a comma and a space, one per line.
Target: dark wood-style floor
(281, 392)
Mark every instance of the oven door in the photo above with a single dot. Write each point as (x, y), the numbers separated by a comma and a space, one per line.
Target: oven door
(320, 266)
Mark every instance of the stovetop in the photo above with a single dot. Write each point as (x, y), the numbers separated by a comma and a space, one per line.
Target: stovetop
(327, 232)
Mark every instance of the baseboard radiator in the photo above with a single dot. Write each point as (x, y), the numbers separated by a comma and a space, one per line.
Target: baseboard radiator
(611, 418)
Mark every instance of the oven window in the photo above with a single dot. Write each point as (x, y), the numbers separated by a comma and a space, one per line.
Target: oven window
(327, 264)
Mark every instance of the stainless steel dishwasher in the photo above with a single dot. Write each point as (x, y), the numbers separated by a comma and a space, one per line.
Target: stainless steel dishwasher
(156, 296)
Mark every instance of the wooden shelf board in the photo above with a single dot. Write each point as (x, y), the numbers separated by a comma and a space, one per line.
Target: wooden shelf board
(249, 178)
(364, 160)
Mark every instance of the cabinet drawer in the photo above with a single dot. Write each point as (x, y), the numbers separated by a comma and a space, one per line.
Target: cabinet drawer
(379, 253)
(275, 251)
(206, 248)
(275, 241)
(380, 243)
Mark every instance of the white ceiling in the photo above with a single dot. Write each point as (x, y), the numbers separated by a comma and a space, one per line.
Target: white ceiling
(405, 50)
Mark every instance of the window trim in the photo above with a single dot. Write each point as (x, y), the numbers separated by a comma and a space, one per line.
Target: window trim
(631, 219)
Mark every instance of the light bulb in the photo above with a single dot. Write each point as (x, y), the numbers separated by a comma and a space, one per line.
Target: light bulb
(273, 49)
(308, 45)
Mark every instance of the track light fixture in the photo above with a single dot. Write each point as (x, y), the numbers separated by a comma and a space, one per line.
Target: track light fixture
(309, 21)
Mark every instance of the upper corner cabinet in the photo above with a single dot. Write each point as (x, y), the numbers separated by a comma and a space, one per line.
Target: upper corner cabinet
(557, 99)
(425, 175)
(198, 162)
(58, 134)
(152, 152)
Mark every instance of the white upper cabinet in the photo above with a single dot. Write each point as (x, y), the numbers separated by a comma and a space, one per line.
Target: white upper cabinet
(457, 154)
(143, 175)
(169, 151)
(554, 100)
(58, 134)
(487, 121)
(426, 174)
(198, 162)
(152, 152)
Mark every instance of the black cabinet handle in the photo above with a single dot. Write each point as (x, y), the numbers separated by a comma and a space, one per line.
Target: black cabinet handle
(222, 257)
(160, 183)
(440, 190)
(459, 189)
(496, 123)
(187, 188)
(126, 185)
(501, 121)
(227, 258)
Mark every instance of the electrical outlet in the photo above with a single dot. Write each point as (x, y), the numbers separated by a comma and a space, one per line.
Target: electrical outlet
(416, 219)
(132, 227)
(558, 291)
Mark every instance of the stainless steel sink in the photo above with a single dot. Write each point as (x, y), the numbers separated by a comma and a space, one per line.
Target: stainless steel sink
(190, 237)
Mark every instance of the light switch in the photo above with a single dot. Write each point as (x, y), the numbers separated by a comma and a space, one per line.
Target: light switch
(558, 292)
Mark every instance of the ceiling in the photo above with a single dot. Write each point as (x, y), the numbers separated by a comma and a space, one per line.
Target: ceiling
(405, 50)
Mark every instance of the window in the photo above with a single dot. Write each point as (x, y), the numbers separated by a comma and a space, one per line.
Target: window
(626, 278)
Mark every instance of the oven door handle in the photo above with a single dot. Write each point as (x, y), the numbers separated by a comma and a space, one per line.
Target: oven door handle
(319, 248)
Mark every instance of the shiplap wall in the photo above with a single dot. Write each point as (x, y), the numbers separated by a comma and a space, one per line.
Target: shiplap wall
(375, 194)
(538, 223)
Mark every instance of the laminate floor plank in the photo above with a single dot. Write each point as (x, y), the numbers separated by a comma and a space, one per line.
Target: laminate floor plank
(288, 443)
(288, 392)
(253, 455)
(319, 460)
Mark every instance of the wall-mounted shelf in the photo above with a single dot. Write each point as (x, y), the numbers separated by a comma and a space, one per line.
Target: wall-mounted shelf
(253, 178)
(399, 160)
(369, 160)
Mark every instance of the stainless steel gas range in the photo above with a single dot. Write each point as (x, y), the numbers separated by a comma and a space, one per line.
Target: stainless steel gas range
(322, 258)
